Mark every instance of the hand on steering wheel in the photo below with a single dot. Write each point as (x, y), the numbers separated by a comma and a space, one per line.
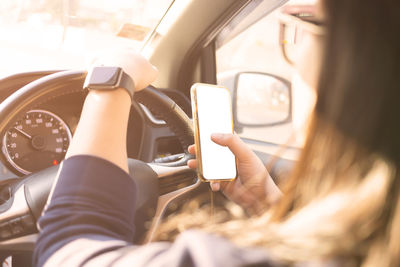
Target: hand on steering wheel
(134, 64)
(101, 107)
(29, 195)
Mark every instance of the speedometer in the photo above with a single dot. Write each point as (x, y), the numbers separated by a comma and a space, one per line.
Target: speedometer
(39, 140)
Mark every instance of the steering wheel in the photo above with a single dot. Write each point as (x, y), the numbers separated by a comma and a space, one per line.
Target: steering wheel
(159, 184)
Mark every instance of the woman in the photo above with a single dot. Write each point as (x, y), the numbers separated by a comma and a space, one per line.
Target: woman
(340, 208)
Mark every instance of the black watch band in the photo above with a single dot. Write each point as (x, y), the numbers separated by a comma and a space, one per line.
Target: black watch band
(109, 78)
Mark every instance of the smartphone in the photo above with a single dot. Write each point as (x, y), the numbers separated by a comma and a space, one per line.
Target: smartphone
(212, 113)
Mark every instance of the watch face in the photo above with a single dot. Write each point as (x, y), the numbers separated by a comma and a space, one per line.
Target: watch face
(104, 76)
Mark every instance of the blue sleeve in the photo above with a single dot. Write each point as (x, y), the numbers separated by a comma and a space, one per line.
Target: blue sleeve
(89, 222)
(92, 197)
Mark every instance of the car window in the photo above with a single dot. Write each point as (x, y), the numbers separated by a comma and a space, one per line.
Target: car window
(65, 34)
(256, 50)
(252, 67)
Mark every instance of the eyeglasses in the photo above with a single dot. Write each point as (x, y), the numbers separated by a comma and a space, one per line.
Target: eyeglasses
(295, 22)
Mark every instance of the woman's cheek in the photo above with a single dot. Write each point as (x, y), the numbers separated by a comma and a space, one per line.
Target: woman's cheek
(308, 59)
(304, 83)
(303, 99)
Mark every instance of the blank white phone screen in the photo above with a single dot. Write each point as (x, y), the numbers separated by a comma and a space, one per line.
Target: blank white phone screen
(215, 116)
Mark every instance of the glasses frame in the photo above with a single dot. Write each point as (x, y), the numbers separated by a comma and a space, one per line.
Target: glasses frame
(304, 20)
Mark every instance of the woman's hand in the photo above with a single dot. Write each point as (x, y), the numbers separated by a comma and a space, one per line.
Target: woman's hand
(134, 64)
(102, 128)
(254, 186)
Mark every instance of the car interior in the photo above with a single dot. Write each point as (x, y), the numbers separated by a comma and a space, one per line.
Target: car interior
(183, 46)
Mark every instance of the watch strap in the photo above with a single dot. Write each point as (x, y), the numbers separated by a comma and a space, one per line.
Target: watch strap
(127, 83)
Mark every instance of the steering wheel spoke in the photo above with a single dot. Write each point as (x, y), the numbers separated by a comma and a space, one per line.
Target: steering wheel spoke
(17, 220)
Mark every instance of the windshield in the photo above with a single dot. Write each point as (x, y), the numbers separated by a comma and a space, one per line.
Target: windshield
(66, 34)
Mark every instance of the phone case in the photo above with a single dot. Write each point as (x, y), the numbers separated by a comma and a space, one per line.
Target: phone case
(193, 94)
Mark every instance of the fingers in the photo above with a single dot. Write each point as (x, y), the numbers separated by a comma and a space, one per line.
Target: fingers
(215, 186)
(192, 149)
(148, 75)
(192, 163)
(234, 143)
(138, 67)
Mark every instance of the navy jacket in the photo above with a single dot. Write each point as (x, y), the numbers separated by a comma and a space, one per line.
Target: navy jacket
(89, 222)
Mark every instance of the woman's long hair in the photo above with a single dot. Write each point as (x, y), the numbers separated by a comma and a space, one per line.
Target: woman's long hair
(351, 158)
(342, 202)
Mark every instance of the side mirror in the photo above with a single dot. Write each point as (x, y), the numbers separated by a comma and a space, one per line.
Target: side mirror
(260, 100)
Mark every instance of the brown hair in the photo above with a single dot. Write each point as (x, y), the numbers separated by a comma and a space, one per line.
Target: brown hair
(355, 131)
(342, 202)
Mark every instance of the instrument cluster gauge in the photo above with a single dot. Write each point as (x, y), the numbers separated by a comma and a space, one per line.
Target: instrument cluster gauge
(37, 141)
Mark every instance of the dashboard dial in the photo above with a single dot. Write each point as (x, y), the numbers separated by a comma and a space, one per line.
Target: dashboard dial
(39, 140)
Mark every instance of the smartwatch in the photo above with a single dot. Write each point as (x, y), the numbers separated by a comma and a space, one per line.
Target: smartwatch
(109, 78)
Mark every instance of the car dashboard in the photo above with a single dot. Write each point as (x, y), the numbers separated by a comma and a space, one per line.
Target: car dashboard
(39, 138)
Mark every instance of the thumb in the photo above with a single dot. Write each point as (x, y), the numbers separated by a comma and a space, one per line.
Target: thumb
(234, 143)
